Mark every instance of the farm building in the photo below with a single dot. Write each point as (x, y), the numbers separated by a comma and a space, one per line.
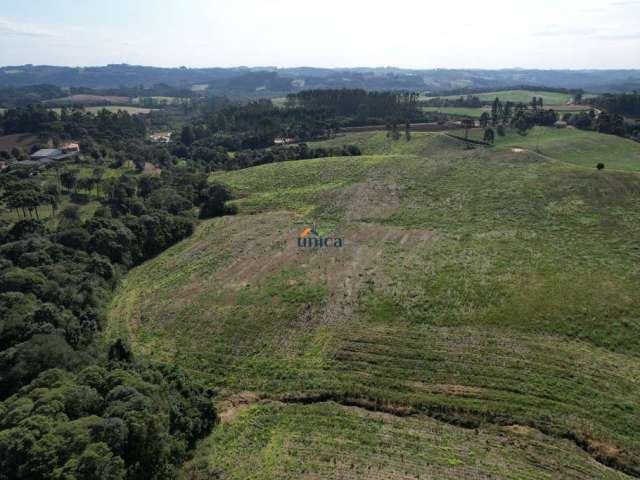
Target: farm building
(68, 150)
(160, 137)
(38, 163)
(284, 141)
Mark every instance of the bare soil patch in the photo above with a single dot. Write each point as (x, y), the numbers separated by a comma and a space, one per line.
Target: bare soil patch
(21, 140)
(151, 169)
(231, 407)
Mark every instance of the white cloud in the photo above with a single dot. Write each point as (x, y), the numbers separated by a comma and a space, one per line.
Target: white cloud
(12, 27)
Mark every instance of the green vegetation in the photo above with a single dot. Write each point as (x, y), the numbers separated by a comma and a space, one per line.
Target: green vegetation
(517, 96)
(478, 317)
(112, 108)
(461, 111)
(574, 146)
(484, 288)
(274, 440)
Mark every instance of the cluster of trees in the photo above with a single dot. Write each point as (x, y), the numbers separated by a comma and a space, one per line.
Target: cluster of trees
(223, 126)
(116, 419)
(72, 123)
(518, 115)
(358, 103)
(612, 124)
(625, 104)
(20, 96)
(470, 101)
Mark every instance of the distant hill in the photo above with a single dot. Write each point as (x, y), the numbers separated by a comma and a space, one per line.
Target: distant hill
(269, 81)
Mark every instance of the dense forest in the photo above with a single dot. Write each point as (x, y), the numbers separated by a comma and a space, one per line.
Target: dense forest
(626, 104)
(73, 407)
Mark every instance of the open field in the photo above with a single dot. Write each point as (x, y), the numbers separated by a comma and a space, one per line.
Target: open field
(81, 99)
(476, 112)
(113, 108)
(325, 440)
(481, 320)
(470, 112)
(23, 141)
(575, 146)
(517, 96)
(160, 99)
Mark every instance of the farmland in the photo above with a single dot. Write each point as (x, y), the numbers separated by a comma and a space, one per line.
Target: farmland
(113, 108)
(517, 96)
(461, 111)
(480, 320)
(83, 99)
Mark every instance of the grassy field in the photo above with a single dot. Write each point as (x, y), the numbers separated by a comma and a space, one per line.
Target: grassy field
(517, 96)
(85, 98)
(574, 146)
(481, 320)
(469, 112)
(113, 108)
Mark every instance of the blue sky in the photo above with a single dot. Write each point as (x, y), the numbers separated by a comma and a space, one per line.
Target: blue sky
(331, 33)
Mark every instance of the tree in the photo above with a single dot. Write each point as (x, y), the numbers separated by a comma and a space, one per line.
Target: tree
(98, 462)
(70, 215)
(214, 201)
(52, 197)
(97, 175)
(26, 196)
(69, 180)
(496, 110)
(187, 136)
(489, 135)
(484, 119)
(522, 125)
(506, 112)
(467, 123)
(85, 183)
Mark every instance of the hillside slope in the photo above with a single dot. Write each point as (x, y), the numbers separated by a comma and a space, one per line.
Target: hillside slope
(480, 321)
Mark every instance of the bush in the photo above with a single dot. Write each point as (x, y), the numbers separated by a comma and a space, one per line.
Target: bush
(600, 166)
(214, 201)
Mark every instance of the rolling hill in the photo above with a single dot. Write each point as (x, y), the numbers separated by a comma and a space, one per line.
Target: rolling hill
(480, 320)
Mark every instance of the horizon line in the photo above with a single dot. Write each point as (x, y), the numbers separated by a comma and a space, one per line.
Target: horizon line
(275, 67)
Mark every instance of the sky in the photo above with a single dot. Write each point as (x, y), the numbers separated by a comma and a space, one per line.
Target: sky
(550, 34)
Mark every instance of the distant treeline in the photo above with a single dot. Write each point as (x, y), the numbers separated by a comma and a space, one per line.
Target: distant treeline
(33, 94)
(470, 101)
(74, 123)
(472, 91)
(360, 103)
